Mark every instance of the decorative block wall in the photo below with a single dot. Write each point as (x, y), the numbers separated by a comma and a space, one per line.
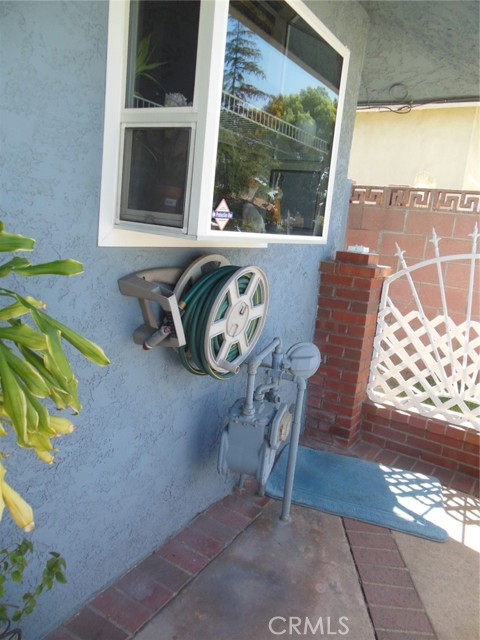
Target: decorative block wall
(382, 217)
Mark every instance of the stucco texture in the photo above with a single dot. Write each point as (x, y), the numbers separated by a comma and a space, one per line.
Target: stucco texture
(429, 148)
(142, 461)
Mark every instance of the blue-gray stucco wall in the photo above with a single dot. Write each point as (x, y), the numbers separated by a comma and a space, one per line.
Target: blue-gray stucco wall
(142, 461)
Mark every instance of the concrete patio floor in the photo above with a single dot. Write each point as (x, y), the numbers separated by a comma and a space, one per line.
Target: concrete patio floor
(239, 573)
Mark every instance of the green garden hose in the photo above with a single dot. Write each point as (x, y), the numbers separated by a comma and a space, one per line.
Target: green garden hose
(197, 306)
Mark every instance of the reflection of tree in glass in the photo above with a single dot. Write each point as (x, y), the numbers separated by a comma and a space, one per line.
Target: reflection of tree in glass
(240, 157)
(241, 60)
(312, 108)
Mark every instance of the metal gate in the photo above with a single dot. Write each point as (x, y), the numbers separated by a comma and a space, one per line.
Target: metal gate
(425, 364)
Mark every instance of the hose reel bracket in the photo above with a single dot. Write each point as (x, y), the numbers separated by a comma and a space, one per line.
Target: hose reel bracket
(212, 312)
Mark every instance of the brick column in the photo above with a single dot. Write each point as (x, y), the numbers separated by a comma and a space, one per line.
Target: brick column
(350, 289)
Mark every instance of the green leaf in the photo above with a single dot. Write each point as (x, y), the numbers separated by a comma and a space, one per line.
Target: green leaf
(28, 374)
(18, 309)
(56, 361)
(22, 334)
(57, 391)
(57, 267)
(89, 349)
(13, 399)
(14, 242)
(11, 265)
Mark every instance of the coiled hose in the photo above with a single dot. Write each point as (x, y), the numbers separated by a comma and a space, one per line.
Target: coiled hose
(197, 305)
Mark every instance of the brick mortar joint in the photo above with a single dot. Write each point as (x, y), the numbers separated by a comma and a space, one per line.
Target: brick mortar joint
(405, 567)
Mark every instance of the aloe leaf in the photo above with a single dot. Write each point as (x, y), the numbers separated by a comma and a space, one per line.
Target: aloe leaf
(57, 391)
(28, 374)
(13, 264)
(43, 424)
(57, 267)
(25, 335)
(14, 400)
(17, 310)
(56, 362)
(87, 348)
(15, 242)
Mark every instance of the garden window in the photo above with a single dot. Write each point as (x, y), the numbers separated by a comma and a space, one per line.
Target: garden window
(221, 123)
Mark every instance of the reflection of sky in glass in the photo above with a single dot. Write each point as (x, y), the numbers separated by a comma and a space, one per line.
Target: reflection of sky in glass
(282, 75)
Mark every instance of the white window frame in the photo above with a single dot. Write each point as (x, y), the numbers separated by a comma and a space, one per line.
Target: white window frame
(203, 117)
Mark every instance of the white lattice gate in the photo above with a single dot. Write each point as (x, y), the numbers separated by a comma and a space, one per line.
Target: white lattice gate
(426, 363)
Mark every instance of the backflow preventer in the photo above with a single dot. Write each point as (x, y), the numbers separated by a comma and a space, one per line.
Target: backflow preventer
(212, 313)
(259, 425)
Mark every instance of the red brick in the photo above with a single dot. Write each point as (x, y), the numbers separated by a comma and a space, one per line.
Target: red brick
(469, 459)
(371, 540)
(232, 519)
(121, 609)
(374, 219)
(336, 280)
(377, 440)
(353, 294)
(468, 470)
(183, 557)
(382, 634)
(349, 257)
(407, 455)
(60, 634)
(388, 433)
(378, 557)
(242, 504)
(438, 460)
(455, 433)
(327, 267)
(89, 625)
(451, 246)
(326, 291)
(445, 476)
(386, 595)
(426, 468)
(463, 483)
(389, 618)
(414, 246)
(386, 457)
(144, 589)
(362, 237)
(199, 542)
(471, 448)
(164, 572)
(422, 223)
(394, 576)
(434, 427)
(424, 445)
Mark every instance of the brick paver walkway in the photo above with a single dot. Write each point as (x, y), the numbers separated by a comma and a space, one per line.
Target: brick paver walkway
(396, 611)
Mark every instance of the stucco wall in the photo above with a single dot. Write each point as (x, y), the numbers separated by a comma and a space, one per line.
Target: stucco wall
(142, 462)
(434, 148)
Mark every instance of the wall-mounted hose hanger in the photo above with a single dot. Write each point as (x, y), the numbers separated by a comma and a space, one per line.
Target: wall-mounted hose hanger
(212, 313)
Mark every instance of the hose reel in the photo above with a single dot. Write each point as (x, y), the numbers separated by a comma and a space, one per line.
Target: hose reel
(212, 313)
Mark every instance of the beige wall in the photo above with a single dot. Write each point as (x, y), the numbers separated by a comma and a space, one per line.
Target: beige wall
(433, 148)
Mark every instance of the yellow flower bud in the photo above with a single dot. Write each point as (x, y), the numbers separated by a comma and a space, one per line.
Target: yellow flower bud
(20, 510)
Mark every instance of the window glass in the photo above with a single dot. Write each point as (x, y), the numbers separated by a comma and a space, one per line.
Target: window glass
(155, 171)
(162, 53)
(279, 104)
